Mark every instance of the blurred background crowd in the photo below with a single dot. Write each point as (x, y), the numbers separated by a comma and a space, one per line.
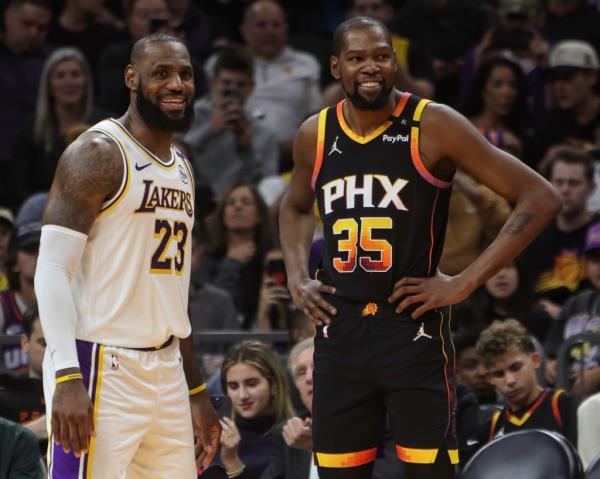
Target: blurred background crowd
(524, 72)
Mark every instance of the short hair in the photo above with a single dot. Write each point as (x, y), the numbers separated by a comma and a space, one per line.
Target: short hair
(259, 355)
(572, 156)
(356, 23)
(502, 337)
(296, 351)
(30, 315)
(143, 43)
(234, 57)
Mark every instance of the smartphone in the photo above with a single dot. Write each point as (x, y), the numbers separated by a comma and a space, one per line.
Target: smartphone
(275, 269)
(222, 405)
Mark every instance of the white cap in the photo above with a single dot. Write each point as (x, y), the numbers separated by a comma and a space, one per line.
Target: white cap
(574, 54)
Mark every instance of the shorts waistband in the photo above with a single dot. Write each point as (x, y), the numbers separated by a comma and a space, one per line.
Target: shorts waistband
(164, 345)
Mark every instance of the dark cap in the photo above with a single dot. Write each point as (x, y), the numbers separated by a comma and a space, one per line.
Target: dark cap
(29, 222)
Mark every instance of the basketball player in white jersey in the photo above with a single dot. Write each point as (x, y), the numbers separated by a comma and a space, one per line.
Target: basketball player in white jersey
(121, 381)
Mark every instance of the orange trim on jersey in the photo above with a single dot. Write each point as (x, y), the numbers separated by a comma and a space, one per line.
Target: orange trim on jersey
(347, 459)
(519, 421)
(375, 133)
(446, 362)
(98, 380)
(320, 146)
(493, 424)
(167, 166)
(423, 456)
(555, 409)
(431, 236)
(416, 154)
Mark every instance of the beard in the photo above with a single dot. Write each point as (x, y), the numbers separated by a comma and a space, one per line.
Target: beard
(361, 103)
(157, 119)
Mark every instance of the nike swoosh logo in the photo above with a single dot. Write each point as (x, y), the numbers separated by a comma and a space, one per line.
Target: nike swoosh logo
(141, 167)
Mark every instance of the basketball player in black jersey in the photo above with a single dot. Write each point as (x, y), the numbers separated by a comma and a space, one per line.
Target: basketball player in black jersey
(380, 165)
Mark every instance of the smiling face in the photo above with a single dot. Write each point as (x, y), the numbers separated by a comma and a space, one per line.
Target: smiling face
(162, 79)
(366, 67)
(249, 390)
(68, 83)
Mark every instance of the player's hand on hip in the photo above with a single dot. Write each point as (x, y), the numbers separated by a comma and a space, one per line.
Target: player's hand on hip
(72, 417)
(432, 292)
(307, 297)
(297, 433)
(207, 429)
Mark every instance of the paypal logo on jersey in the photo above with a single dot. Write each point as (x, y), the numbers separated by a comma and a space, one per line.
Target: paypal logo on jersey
(395, 139)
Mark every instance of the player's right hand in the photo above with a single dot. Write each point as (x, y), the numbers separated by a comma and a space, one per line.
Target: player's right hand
(72, 417)
(307, 297)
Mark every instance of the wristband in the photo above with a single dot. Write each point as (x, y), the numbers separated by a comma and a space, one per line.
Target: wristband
(198, 389)
(233, 474)
(69, 377)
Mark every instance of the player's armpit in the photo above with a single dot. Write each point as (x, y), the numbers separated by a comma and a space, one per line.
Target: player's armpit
(89, 172)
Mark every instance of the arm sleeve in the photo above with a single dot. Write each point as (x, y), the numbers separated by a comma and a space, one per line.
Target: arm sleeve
(61, 250)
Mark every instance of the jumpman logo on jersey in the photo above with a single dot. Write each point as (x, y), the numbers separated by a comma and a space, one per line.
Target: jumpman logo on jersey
(421, 333)
(334, 147)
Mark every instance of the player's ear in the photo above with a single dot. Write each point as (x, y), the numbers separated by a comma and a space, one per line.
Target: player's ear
(536, 359)
(131, 77)
(334, 66)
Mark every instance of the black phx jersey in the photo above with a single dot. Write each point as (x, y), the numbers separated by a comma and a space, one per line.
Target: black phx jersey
(384, 214)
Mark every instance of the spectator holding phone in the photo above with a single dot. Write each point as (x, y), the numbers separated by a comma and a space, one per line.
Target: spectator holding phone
(229, 145)
(274, 298)
(253, 377)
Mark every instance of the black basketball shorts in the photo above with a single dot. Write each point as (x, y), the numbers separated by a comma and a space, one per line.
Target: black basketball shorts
(371, 363)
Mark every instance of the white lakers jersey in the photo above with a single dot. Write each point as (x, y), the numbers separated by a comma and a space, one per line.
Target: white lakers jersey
(131, 288)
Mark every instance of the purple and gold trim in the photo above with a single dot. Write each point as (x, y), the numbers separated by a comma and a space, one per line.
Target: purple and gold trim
(64, 465)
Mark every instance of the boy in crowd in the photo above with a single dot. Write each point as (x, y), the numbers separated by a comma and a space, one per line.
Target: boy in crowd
(509, 355)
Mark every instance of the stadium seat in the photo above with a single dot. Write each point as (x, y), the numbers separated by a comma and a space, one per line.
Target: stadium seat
(531, 454)
(593, 470)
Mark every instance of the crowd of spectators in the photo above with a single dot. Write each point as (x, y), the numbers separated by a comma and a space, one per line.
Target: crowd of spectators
(524, 72)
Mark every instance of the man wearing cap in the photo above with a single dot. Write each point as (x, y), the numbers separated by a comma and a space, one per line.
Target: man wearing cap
(576, 117)
(581, 314)
(20, 264)
(7, 222)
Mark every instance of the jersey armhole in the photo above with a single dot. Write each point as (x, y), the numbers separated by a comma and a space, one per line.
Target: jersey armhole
(555, 408)
(125, 181)
(320, 146)
(414, 149)
(493, 424)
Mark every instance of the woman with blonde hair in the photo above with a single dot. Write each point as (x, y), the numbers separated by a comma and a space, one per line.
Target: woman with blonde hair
(254, 378)
(65, 99)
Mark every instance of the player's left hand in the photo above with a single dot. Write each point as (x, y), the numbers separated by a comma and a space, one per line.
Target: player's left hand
(433, 292)
(207, 429)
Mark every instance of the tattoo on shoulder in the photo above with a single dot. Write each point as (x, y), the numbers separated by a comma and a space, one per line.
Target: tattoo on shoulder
(89, 171)
(516, 226)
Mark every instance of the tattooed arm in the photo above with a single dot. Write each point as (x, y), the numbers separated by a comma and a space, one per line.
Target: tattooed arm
(448, 140)
(89, 172)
